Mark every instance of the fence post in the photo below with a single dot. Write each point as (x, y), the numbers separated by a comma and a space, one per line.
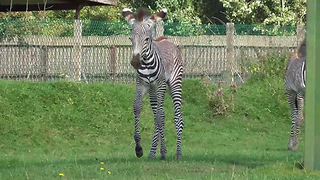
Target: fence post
(300, 33)
(112, 62)
(77, 56)
(312, 122)
(44, 63)
(230, 36)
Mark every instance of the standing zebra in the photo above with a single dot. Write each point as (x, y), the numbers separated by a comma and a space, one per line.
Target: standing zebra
(295, 88)
(158, 64)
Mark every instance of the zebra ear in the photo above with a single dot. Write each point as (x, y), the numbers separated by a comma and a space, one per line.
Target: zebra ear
(128, 15)
(160, 15)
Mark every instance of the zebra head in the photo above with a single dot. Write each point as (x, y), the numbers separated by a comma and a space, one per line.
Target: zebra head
(143, 27)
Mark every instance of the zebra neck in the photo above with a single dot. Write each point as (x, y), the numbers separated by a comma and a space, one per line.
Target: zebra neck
(151, 68)
(150, 54)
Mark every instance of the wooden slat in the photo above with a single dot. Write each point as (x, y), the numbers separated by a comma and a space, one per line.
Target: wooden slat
(215, 41)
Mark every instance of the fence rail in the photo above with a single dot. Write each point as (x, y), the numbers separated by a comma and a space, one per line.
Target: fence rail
(90, 58)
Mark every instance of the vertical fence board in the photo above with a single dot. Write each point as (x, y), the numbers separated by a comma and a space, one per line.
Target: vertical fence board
(77, 55)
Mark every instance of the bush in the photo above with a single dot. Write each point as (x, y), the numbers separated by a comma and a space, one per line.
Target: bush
(268, 66)
(221, 99)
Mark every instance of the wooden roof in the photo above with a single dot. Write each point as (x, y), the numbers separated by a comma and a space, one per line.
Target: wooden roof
(39, 5)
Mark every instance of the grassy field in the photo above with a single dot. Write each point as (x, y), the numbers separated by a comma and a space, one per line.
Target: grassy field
(67, 130)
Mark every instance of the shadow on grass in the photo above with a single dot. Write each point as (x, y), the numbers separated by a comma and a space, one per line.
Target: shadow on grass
(250, 161)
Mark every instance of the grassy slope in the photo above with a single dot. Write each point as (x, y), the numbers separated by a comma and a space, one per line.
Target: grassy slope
(52, 128)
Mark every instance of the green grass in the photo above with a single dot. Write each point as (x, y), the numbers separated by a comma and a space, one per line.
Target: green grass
(70, 128)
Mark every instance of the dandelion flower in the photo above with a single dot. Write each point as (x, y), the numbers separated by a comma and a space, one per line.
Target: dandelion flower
(102, 163)
(61, 174)
(109, 172)
(102, 169)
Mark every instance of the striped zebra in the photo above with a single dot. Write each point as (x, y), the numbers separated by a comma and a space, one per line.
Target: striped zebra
(158, 64)
(295, 81)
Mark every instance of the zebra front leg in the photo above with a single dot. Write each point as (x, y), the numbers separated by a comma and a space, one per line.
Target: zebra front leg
(137, 112)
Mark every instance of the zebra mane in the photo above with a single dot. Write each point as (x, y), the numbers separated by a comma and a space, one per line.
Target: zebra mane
(302, 52)
(141, 14)
(161, 38)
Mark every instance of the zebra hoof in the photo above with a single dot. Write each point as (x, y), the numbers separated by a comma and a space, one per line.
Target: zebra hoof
(293, 146)
(139, 151)
(179, 157)
(163, 157)
(152, 156)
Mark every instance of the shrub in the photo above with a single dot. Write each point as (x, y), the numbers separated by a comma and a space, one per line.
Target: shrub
(267, 66)
(221, 99)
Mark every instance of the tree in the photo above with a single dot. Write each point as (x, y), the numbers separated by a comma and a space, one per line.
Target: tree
(267, 12)
(210, 11)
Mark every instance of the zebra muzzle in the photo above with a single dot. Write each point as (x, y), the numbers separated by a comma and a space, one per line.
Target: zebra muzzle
(135, 61)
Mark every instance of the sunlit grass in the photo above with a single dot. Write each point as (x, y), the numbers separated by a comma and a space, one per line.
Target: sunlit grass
(85, 131)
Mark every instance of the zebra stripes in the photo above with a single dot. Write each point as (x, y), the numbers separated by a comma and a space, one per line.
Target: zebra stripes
(158, 64)
(303, 74)
(295, 88)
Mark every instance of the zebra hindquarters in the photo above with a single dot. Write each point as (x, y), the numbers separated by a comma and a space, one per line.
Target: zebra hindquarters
(176, 94)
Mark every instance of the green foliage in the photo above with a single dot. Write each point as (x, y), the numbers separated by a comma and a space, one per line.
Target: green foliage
(260, 29)
(11, 27)
(184, 14)
(278, 13)
(208, 14)
(264, 17)
(267, 67)
(220, 98)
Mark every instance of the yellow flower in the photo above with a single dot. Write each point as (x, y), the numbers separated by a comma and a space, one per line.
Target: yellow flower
(61, 174)
(101, 169)
(101, 163)
(109, 172)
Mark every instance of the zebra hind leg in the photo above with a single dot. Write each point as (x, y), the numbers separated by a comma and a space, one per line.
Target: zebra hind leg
(163, 149)
(298, 121)
(176, 94)
(293, 141)
(300, 106)
(159, 123)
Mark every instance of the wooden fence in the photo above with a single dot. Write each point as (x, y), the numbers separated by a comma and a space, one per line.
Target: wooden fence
(90, 58)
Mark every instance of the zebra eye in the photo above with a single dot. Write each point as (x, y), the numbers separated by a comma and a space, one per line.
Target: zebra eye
(147, 39)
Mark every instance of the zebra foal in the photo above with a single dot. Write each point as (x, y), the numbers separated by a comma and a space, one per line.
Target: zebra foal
(158, 64)
(295, 83)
